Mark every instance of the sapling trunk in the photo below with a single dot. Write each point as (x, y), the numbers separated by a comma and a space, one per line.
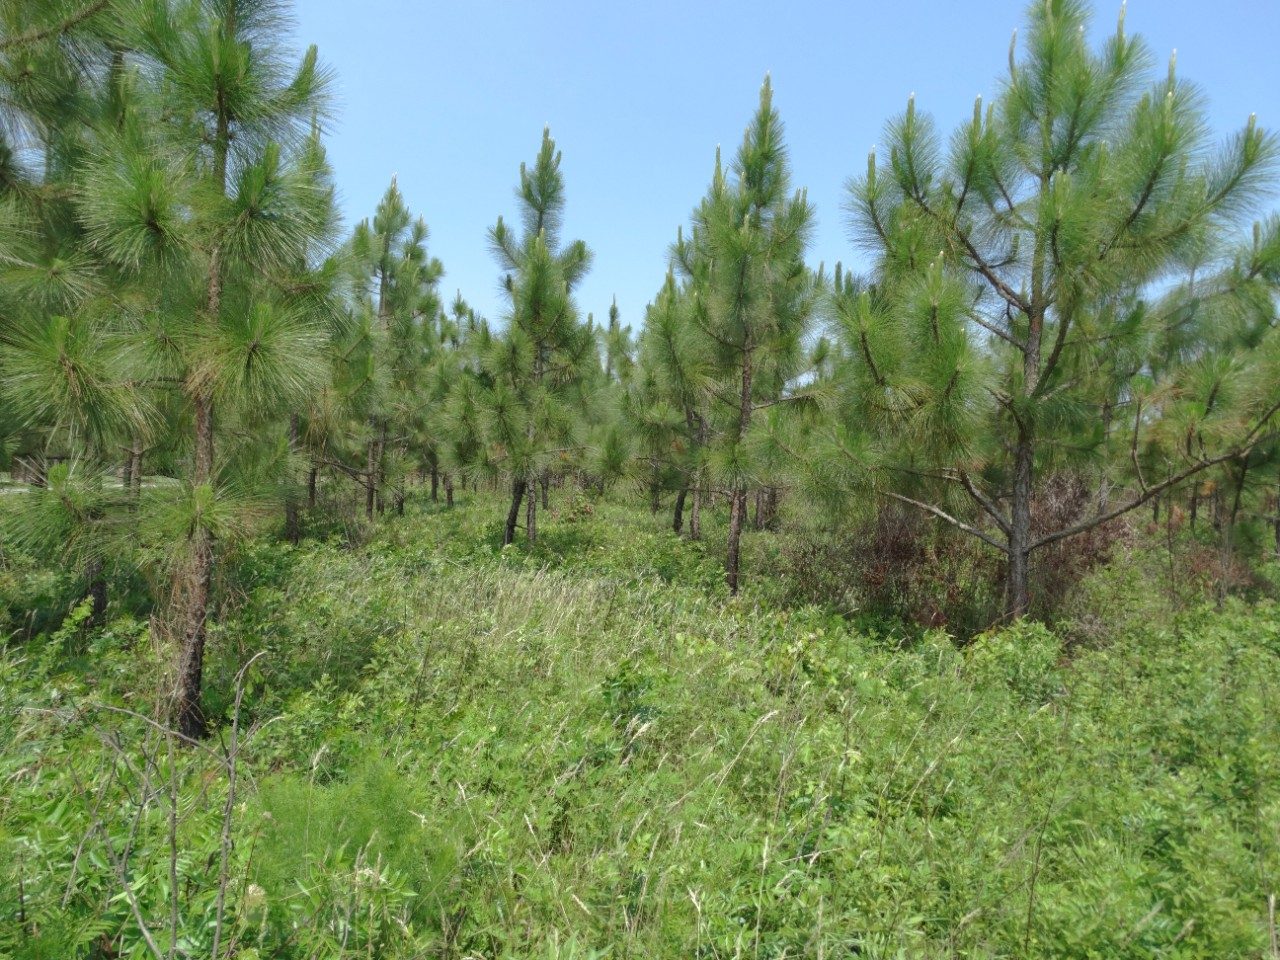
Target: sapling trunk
(695, 510)
(531, 511)
(1018, 570)
(738, 496)
(371, 478)
(1229, 529)
(292, 523)
(737, 515)
(513, 514)
(135, 468)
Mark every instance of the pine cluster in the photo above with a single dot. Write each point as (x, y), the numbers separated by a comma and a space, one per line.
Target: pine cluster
(192, 351)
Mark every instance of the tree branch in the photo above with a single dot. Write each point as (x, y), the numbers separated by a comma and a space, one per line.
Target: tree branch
(943, 515)
(37, 34)
(984, 502)
(1250, 442)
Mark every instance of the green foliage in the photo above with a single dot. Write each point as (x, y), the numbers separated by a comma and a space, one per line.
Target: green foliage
(431, 742)
(454, 748)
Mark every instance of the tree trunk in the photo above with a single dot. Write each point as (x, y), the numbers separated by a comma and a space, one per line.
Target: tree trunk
(737, 514)
(448, 490)
(371, 478)
(292, 524)
(311, 486)
(1229, 530)
(738, 497)
(513, 515)
(199, 575)
(381, 482)
(1018, 573)
(135, 468)
(435, 484)
(199, 587)
(546, 491)
(695, 510)
(1104, 483)
(771, 497)
(531, 511)
(655, 493)
(677, 522)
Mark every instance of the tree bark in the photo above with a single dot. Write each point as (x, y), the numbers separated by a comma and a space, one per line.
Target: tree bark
(190, 712)
(311, 486)
(448, 490)
(695, 510)
(738, 497)
(737, 514)
(135, 468)
(292, 523)
(1229, 530)
(1017, 580)
(513, 515)
(199, 576)
(1104, 483)
(435, 484)
(677, 522)
(531, 511)
(771, 497)
(371, 478)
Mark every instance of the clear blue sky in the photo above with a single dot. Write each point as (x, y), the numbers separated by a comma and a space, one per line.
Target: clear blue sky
(452, 96)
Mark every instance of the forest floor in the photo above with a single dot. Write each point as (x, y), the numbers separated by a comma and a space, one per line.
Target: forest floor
(589, 750)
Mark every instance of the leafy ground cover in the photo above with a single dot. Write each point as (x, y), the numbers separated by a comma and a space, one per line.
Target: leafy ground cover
(444, 748)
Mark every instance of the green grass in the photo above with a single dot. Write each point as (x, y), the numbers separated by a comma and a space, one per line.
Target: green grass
(590, 750)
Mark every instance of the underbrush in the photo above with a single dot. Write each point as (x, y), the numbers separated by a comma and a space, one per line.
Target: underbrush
(451, 749)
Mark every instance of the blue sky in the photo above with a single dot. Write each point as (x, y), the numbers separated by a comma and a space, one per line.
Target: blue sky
(452, 97)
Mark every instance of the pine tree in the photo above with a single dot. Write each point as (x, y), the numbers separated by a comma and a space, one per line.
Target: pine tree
(753, 298)
(618, 348)
(1015, 261)
(530, 411)
(67, 400)
(211, 189)
(675, 357)
(395, 292)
